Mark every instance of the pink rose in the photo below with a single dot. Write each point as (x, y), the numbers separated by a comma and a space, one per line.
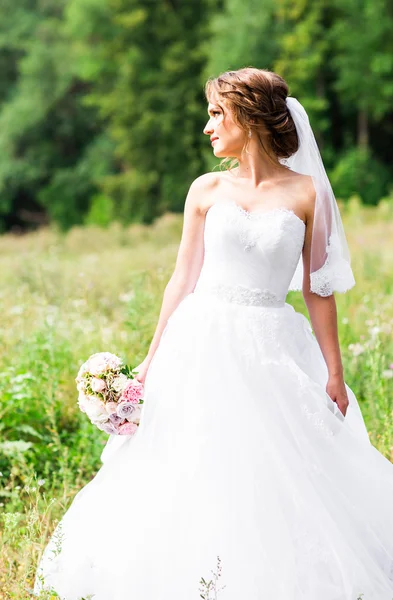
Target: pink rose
(97, 385)
(133, 392)
(128, 429)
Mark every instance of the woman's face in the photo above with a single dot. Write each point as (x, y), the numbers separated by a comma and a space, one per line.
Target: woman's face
(226, 136)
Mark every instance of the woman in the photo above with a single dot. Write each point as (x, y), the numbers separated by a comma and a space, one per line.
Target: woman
(251, 475)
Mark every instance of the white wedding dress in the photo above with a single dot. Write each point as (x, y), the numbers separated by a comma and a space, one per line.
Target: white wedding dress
(241, 456)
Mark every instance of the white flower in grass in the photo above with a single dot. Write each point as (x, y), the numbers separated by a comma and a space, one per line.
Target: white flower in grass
(356, 349)
(374, 331)
(127, 296)
(387, 374)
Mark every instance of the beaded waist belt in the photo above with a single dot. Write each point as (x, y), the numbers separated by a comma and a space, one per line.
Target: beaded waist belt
(240, 294)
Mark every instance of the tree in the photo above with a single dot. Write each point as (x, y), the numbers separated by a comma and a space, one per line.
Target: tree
(363, 59)
(145, 61)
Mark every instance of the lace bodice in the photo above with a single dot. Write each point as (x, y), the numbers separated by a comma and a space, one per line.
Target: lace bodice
(250, 257)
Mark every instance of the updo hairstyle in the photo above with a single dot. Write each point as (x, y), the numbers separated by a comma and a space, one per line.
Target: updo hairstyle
(256, 98)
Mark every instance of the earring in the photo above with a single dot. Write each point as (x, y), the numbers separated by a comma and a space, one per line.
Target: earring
(249, 133)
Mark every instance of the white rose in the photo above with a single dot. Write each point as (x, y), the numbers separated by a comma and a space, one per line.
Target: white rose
(97, 385)
(100, 419)
(94, 408)
(102, 362)
(120, 382)
(81, 386)
(98, 366)
(83, 370)
(110, 407)
(82, 401)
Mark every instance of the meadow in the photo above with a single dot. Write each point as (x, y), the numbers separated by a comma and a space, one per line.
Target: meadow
(65, 296)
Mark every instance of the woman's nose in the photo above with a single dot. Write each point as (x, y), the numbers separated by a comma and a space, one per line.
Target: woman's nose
(208, 130)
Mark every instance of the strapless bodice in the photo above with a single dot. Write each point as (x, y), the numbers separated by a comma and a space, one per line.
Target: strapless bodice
(250, 257)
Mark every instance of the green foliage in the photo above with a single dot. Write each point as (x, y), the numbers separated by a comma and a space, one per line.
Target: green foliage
(102, 211)
(45, 127)
(358, 171)
(243, 34)
(147, 91)
(362, 41)
(102, 107)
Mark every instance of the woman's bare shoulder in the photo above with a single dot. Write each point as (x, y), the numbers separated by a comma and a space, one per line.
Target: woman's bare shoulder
(304, 192)
(207, 181)
(201, 190)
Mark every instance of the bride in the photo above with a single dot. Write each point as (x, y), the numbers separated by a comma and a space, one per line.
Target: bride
(251, 476)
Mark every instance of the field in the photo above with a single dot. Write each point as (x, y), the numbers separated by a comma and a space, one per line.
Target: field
(65, 296)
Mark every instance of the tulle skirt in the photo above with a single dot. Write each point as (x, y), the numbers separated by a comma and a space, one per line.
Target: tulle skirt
(244, 480)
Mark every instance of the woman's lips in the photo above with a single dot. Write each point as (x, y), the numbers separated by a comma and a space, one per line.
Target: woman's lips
(214, 140)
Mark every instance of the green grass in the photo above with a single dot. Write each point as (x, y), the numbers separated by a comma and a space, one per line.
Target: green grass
(65, 296)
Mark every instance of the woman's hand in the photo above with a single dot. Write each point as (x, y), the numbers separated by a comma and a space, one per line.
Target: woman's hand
(337, 391)
(142, 370)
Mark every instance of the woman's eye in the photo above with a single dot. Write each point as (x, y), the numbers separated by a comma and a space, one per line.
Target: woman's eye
(216, 112)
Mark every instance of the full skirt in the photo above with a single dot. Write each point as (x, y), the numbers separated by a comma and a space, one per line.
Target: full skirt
(244, 480)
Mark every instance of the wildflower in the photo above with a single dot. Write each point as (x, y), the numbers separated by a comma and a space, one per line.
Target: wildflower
(127, 297)
(356, 349)
(41, 482)
(374, 331)
(386, 328)
(387, 374)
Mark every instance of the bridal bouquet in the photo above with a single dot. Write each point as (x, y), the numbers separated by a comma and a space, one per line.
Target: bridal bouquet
(109, 394)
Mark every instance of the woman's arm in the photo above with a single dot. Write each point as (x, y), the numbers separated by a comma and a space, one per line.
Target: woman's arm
(188, 263)
(323, 315)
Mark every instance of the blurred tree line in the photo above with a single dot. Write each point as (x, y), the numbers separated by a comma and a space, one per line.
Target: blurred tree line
(102, 105)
